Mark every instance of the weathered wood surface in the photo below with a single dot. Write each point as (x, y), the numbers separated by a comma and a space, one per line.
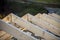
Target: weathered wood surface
(56, 19)
(17, 33)
(42, 23)
(4, 37)
(33, 28)
(8, 18)
(51, 21)
(2, 33)
(55, 15)
(9, 38)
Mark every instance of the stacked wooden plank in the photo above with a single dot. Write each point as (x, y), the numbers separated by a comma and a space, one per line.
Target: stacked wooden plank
(4, 35)
(45, 22)
(39, 27)
(17, 33)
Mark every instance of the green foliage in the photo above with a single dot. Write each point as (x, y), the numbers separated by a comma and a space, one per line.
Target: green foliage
(34, 9)
(22, 8)
(49, 1)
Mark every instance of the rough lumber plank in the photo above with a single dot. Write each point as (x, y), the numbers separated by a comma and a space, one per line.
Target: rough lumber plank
(42, 23)
(33, 28)
(52, 18)
(5, 36)
(25, 17)
(2, 33)
(7, 18)
(17, 33)
(9, 38)
(53, 22)
(55, 15)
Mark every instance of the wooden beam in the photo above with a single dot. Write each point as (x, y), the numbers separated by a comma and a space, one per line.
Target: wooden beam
(2, 33)
(5, 36)
(17, 33)
(53, 18)
(55, 15)
(51, 21)
(50, 17)
(9, 38)
(33, 28)
(7, 18)
(42, 23)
